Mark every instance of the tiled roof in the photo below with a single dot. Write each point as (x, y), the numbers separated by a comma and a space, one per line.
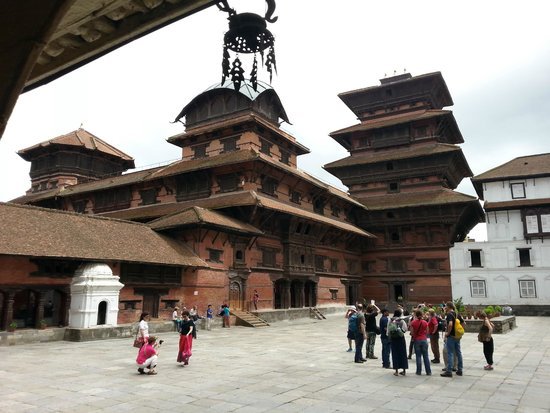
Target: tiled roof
(38, 232)
(522, 167)
(441, 196)
(516, 204)
(242, 198)
(81, 138)
(180, 167)
(217, 201)
(395, 120)
(92, 186)
(194, 216)
(412, 151)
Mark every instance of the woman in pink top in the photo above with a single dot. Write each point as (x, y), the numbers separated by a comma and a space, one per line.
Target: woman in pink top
(419, 332)
(147, 356)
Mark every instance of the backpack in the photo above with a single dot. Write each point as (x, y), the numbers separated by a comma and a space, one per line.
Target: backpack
(394, 329)
(459, 330)
(352, 323)
(440, 324)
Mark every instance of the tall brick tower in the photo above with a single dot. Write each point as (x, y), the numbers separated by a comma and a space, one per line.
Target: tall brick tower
(404, 165)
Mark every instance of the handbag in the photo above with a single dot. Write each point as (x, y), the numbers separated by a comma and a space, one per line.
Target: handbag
(138, 341)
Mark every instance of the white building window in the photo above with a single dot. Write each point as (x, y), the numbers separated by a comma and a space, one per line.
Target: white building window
(527, 289)
(475, 258)
(518, 190)
(477, 288)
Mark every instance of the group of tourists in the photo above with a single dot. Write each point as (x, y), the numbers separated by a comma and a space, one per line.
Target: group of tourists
(424, 327)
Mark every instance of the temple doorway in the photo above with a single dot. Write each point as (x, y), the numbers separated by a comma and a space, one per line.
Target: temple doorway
(235, 296)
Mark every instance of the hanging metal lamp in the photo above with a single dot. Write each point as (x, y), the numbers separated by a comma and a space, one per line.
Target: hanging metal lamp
(248, 34)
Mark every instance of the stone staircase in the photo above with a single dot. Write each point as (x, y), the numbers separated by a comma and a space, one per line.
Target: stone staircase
(244, 318)
(316, 313)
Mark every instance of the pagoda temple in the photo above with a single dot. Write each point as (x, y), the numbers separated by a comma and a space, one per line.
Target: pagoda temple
(404, 165)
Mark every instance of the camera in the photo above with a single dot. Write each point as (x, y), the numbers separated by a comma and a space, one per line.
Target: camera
(160, 342)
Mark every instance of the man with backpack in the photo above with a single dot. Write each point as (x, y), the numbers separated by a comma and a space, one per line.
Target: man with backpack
(433, 332)
(360, 335)
(453, 334)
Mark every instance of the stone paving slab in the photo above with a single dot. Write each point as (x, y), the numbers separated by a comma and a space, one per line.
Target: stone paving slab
(296, 366)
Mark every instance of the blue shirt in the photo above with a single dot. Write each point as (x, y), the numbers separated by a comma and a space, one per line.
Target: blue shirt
(383, 326)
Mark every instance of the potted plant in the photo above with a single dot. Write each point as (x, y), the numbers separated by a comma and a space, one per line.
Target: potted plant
(43, 324)
(12, 326)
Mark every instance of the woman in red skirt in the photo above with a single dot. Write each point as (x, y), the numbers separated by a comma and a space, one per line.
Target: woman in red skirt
(187, 332)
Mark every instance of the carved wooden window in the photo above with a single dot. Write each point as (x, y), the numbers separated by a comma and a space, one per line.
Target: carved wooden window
(334, 211)
(228, 183)
(148, 196)
(430, 265)
(149, 274)
(285, 156)
(352, 266)
(265, 147)
(199, 151)
(112, 199)
(320, 263)
(393, 187)
(319, 205)
(55, 268)
(229, 144)
(215, 255)
(192, 185)
(80, 206)
(365, 266)
(396, 265)
(334, 264)
(269, 185)
(295, 197)
(269, 257)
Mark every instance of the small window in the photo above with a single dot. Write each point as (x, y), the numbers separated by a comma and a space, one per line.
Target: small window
(335, 211)
(527, 289)
(475, 258)
(396, 265)
(265, 147)
(148, 196)
(199, 151)
(285, 156)
(334, 265)
(214, 255)
(319, 206)
(239, 256)
(393, 187)
(524, 257)
(395, 237)
(320, 263)
(431, 265)
(268, 257)
(269, 185)
(365, 266)
(333, 293)
(421, 131)
(477, 289)
(229, 144)
(295, 197)
(389, 166)
(352, 266)
(228, 183)
(518, 190)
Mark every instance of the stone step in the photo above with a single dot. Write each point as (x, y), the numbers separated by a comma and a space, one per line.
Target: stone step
(248, 319)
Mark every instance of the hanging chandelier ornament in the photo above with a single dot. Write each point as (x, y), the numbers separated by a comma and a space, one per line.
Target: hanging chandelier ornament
(247, 34)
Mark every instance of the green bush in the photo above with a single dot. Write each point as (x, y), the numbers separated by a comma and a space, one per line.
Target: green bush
(498, 309)
(489, 310)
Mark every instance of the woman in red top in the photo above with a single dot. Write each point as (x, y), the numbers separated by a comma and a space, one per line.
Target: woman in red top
(147, 356)
(419, 332)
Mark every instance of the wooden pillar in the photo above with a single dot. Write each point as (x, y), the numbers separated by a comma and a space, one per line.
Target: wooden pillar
(65, 306)
(286, 295)
(39, 309)
(9, 298)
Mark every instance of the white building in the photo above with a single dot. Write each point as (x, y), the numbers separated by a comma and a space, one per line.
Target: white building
(513, 266)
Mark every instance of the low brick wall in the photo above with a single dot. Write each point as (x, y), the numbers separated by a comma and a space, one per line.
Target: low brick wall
(272, 316)
(503, 324)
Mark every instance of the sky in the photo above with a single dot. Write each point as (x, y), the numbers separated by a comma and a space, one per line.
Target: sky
(493, 55)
